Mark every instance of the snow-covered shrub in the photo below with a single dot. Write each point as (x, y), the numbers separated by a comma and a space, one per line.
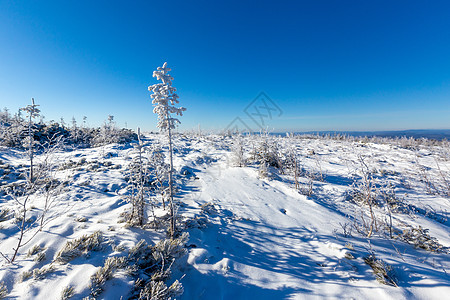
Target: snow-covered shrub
(46, 134)
(3, 290)
(34, 250)
(99, 278)
(364, 193)
(107, 133)
(67, 293)
(82, 245)
(420, 238)
(384, 272)
(38, 252)
(155, 263)
(164, 98)
(292, 162)
(5, 214)
(40, 257)
(25, 275)
(170, 249)
(407, 143)
(196, 222)
(70, 164)
(158, 290)
(39, 274)
(143, 261)
(81, 219)
(388, 198)
(266, 153)
(208, 208)
(141, 255)
(118, 248)
(238, 151)
(12, 129)
(308, 188)
(163, 274)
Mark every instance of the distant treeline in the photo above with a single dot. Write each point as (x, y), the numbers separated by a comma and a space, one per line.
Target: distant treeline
(14, 130)
(434, 134)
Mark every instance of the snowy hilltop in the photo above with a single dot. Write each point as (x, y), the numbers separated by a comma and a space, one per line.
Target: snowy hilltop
(257, 217)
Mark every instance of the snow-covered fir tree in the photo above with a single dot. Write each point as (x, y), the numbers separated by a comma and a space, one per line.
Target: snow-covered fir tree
(32, 112)
(164, 99)
(138, 174)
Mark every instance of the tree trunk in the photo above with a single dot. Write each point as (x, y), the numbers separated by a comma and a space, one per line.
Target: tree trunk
(172, 209)
(30, 148)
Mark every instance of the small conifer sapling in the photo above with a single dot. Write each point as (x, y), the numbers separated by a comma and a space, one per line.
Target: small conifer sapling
(164, 99)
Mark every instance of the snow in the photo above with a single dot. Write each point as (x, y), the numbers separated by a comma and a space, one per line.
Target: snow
(262, 239)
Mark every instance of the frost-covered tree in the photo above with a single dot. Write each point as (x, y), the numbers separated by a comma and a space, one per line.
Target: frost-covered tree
(41, 193)
(238, 154)
(85, 133)
(139, 182)
(32, 112)
(164, 98)
(107, 132)
(63, 123)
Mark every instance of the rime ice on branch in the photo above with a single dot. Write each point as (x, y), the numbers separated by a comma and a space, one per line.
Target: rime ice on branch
(164, 98)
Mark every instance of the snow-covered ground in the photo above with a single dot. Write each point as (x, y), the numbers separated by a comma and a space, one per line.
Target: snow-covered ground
(250, 237)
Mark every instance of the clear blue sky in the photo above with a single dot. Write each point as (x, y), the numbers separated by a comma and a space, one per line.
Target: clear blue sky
(328, 65)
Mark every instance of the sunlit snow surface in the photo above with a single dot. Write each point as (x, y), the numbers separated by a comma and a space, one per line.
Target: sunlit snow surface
(262, 239)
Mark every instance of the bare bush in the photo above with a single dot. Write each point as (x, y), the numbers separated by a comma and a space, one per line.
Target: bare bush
(40, 187)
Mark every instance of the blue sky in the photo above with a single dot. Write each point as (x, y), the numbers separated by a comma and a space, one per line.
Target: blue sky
(328, 65)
